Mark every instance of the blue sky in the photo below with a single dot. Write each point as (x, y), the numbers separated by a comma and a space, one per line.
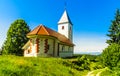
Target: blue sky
(91, 18)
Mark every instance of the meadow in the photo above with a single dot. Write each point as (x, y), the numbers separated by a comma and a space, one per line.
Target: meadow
(82, 65)
(21, 66)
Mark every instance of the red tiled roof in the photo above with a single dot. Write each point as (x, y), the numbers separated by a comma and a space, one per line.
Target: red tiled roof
(42, 30)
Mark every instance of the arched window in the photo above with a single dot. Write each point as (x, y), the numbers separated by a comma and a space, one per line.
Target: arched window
(28, 51)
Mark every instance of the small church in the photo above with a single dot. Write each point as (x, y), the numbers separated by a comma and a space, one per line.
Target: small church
(44, 41)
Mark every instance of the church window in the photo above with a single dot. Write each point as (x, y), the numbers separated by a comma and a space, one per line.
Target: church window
(62, 27)
(28, 51)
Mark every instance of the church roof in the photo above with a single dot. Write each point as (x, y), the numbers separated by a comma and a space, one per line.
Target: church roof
(65, 18)
(42, 30)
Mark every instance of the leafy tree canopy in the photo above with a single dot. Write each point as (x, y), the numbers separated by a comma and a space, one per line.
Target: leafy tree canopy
(111, 55)
(16, 38)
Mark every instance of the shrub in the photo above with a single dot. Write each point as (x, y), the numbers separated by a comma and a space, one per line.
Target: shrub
(111, 55)
(107, 72)
(83, 62)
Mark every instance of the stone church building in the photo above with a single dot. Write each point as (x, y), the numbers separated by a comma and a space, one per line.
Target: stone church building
(44, 41)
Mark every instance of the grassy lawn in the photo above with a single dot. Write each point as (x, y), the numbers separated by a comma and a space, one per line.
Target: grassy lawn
(22, 66)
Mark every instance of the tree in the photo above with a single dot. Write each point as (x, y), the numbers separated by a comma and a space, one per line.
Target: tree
(111, 55)
(114, 30)
(16, 38)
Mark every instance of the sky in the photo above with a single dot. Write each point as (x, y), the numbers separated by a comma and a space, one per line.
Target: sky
(91, 18)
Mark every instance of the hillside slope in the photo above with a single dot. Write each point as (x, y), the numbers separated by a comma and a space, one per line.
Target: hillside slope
(21, 66)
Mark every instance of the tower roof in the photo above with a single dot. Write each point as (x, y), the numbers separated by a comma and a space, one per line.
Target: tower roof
(65, 18)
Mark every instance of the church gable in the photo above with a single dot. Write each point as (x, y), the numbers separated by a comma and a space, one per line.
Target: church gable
(40, 30)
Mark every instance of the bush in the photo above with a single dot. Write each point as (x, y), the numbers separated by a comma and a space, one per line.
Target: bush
(84, 62)
(111, 55)
(95, 65)
(107, 72)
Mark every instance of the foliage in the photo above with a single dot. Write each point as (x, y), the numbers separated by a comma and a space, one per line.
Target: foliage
(95, 66)
(84, 62)
(16, 38)
(111, 55)
(21, 66)
(107, 72)
(116, 71)
(114, 30)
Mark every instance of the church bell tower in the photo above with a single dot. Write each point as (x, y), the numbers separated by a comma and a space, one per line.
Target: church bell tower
(65, 26)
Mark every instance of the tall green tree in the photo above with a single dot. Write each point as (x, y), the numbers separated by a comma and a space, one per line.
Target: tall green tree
(114, 30)
(16, 38)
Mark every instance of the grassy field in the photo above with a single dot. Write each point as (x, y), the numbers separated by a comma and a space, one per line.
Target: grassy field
(83, 65)
(22, 66)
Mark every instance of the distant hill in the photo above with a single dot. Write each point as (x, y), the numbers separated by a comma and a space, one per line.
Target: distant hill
(90, 53)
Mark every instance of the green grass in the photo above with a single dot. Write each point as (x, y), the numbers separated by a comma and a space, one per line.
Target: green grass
(111, 72)
(22, 66)
(11, 65)
(103, 72)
